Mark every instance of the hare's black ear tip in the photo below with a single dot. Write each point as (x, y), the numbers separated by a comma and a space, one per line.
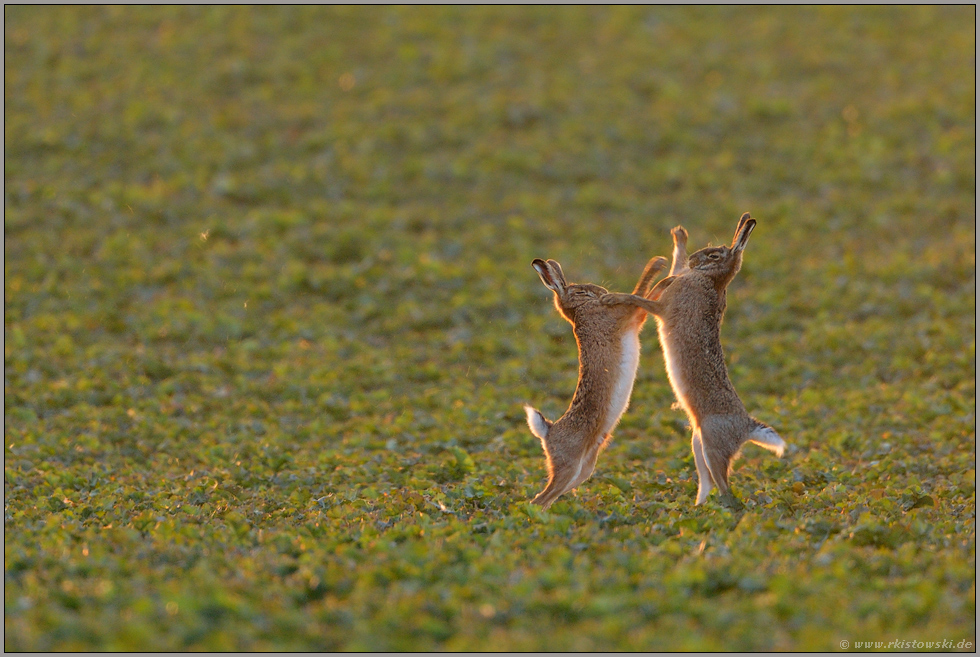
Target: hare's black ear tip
(538, 263)
(745, 216)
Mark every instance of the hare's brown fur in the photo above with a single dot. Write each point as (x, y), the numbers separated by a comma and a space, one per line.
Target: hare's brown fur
(689, 312)
(690, 335)
(607, 334)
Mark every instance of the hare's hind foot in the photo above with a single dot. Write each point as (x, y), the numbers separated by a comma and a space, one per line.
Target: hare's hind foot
(705, 484)
(718, 463)
(558, 484)
(567, 476)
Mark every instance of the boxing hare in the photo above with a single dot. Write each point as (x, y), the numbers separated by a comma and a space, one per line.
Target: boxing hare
(689, 325)
(607, 333)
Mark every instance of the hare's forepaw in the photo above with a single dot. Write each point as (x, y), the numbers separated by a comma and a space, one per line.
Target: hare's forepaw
(618, 299)
(679, 234)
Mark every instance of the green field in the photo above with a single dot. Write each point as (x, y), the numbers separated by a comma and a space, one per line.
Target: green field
(269, 322)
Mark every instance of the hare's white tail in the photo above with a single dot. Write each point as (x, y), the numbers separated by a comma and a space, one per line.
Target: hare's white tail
(537, 422)
(766, 437)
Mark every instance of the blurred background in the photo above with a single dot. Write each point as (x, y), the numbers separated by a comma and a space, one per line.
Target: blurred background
(295, 243)
(185, 177)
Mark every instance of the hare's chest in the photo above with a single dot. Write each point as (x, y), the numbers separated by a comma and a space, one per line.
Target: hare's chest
(673, 362)
(623, 378)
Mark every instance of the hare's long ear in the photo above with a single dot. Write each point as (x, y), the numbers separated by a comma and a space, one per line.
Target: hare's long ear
(741, 222)
(745, 226)
(551, 275)
(557, 272)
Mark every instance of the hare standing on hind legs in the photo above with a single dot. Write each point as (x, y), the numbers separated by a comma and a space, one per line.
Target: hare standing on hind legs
(689, 324)
(607, 333)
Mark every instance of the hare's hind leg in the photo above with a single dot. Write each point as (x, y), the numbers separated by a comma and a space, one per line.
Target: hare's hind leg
(560, 480)
(718, 460)
(704, 474)
(586, 465)
(567, 475)
(557, 485)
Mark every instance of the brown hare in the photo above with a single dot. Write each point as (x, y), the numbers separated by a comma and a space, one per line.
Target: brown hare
(607, 333)
(689, 314)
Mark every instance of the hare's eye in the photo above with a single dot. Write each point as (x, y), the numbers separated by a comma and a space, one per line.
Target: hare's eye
(714, 256)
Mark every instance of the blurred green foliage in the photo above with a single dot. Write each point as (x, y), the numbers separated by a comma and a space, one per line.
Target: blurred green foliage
(269, 321)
